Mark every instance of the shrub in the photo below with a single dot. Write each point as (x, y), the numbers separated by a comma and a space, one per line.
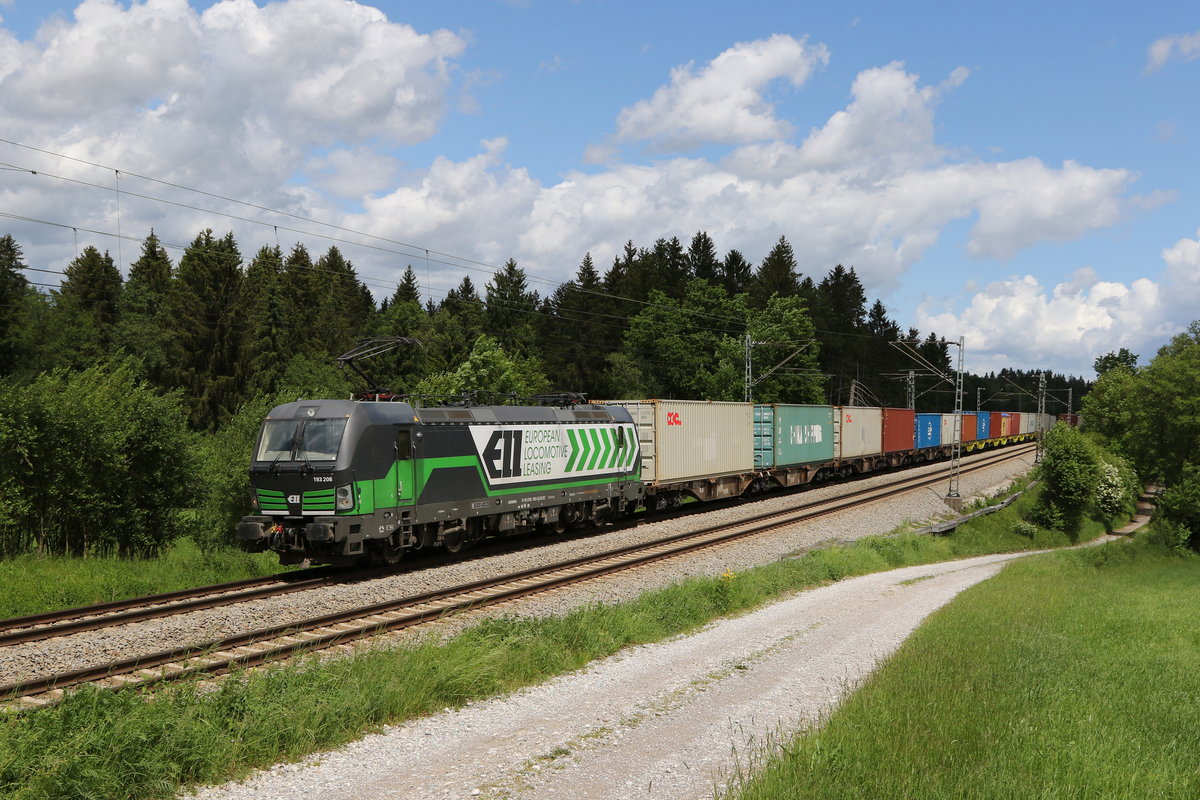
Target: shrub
(1070, 473)
(96, 461)
(1026, 529)
(1179, 505)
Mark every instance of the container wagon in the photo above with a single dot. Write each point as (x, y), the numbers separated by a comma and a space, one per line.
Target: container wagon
(694, 447)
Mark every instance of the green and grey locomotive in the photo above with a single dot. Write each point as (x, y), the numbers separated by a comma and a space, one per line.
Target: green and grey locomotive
(341, 481)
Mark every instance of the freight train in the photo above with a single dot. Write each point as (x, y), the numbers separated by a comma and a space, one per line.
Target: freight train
(345, 481)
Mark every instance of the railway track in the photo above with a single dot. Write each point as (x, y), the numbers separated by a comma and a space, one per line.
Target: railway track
(275, 643)
(35, 627)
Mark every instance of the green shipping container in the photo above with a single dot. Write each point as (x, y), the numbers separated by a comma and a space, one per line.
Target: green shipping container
(803, 434)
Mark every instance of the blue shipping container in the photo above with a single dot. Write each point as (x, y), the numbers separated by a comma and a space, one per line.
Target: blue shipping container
(929, 430)
(983, 425)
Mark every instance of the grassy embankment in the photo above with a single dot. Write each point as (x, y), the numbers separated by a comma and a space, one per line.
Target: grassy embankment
(1071, 675)
(97, 744)
(33, 584)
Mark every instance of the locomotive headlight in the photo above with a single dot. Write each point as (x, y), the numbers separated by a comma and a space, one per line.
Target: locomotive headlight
(345, 497)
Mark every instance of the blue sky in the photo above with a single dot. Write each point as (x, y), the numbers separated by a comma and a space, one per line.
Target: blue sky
(1023, 175)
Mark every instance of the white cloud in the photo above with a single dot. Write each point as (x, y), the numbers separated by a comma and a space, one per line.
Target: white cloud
(1183, 263)
(353, 173)
(1064, 327)
(1177, 47)
(880, 210)
(235, 99)
(237, 91)
(249, 101)
(1020, 321)
(890, 117)
(478, 206)
(724, 101)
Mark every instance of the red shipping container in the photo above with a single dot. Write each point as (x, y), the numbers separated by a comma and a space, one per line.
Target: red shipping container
(968, 427)
(899, 429)
(994, 430)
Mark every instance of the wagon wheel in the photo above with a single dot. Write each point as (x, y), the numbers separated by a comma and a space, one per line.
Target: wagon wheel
(455, 542)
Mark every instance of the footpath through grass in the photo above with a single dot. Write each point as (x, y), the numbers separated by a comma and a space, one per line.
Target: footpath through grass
(33, 584)
(100, 745)
(1071, 675)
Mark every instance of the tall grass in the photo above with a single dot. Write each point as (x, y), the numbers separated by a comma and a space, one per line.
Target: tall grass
(97, 745)
(33, 584)
(1071, 675)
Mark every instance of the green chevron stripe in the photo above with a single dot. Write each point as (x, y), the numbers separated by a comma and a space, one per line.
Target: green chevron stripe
(602, 458)
(614, 455)
(575, 450)
(585, 450)
(601, 449)
(593, 449)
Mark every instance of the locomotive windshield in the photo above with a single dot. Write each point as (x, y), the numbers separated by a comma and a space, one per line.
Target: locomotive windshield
(300, 440)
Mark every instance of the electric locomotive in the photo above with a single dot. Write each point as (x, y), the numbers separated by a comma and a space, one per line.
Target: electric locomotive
(344, 481)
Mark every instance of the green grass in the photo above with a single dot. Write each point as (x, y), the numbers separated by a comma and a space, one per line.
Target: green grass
(1071, 675)
(33, 584)
(126, 745)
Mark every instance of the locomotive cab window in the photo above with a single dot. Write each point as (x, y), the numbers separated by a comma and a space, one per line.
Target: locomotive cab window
(403, 444)
(300, 439)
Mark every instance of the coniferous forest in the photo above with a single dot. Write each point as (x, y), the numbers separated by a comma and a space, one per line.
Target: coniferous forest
(129, 403)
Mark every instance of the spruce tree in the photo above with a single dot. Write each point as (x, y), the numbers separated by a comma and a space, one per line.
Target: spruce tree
(776, 275)
(401, 369)
(302, 292)
(408, 290)
(85, 310)
(736, 273)
(579, 333)
(346, 309)
(206, 301)
(454, 327)
(146, 328)
(269, 345)
(840, 314)
(13, 287)
(511, 308)
(702, 259)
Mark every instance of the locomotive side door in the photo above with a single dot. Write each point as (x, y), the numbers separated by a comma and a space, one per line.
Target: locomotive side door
(407, 490)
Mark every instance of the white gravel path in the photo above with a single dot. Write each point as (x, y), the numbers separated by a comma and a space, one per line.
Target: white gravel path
(657, 721)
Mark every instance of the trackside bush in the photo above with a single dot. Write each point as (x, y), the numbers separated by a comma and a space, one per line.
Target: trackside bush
(96, 462)
(1070, 472)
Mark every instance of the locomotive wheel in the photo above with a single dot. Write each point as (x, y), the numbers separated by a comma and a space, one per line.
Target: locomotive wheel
(388, 553)
(454, 543)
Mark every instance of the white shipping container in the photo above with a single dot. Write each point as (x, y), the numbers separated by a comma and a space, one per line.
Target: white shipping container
(948, 429)
(859, 431)
(1026, 422)
(683, 440)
